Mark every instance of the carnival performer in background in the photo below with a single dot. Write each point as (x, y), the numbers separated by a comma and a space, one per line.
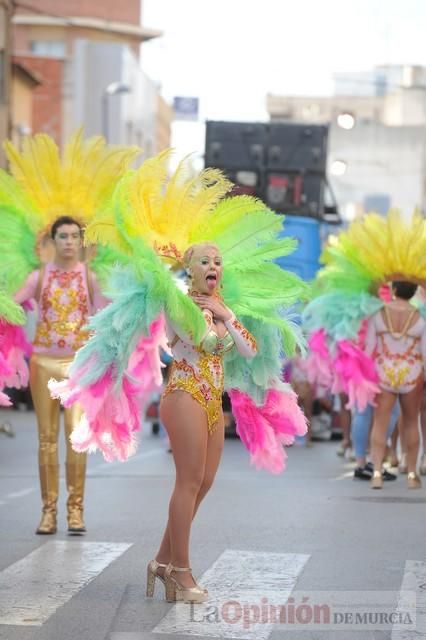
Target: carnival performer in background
(347, 320)
(230, 331)
(396, 339)
(47, 196)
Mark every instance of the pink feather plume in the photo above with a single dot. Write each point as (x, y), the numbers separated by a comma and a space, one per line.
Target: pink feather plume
(112, 414)
(15, 351)
(319, 363)
(265, 430)
(355, 375)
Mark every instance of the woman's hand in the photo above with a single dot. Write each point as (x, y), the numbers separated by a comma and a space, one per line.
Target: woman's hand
(217, 308)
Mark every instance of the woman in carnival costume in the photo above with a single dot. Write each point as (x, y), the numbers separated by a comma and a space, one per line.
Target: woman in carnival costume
(372, 350)
(396, 339)
(228, 331)
(47, 197)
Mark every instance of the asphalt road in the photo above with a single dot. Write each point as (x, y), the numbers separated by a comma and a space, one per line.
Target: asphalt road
(313, 534)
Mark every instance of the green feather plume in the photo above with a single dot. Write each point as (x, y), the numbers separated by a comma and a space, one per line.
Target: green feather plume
(10, 311)
(17, 244)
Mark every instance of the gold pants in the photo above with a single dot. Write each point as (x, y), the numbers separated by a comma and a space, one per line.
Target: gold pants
(42, 368)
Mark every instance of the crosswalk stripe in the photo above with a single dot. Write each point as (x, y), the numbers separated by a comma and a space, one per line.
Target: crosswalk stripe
(33, 588)
(238, 582)
(20, 494)
(413, 582)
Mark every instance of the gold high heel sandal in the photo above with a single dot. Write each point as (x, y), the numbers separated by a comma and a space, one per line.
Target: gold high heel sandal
(413, 480)
(403, 467)
(175, 592)
(377, 480)
(151, 574)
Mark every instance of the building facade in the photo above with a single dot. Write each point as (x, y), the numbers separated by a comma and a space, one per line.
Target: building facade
(5, 72)
(23, 84)
(78, 50)
(377, 139)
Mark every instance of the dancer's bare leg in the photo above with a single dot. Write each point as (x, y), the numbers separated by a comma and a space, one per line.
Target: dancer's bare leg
(382, 412)
(214, 453)
(345, 421)
(423, 426)
(196, 465)
(410, 409)
(393, 456)
(305, 398)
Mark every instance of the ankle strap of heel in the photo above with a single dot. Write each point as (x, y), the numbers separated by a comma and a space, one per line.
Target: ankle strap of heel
(171, 567)
(154, 564)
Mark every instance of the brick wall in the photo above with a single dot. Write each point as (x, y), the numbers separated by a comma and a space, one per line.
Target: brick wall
(116, 10)
(47, 97)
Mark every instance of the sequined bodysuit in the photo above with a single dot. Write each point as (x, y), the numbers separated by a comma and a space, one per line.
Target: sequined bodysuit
(400, 358)
(198, 370)
(64, 306)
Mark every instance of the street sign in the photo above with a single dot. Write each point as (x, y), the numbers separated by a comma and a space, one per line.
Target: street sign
(185, 108)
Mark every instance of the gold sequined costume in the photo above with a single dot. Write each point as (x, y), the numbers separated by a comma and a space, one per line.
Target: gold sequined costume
(199, 370)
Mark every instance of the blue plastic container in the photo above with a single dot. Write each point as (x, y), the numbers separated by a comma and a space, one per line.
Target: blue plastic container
(305, 260)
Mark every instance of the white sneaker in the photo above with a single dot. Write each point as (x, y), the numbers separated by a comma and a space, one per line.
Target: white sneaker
(349, 455)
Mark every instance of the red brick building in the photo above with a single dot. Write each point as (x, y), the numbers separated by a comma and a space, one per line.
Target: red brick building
(44, 39)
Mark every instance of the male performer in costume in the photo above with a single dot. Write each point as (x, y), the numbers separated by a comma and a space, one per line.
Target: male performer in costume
(66, 293)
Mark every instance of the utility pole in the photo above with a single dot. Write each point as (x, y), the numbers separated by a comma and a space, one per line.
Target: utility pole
(6, 10)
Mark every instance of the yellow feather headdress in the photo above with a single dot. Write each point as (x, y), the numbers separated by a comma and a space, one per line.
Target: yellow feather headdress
(77, 185)
(377, 249)
(169, 212)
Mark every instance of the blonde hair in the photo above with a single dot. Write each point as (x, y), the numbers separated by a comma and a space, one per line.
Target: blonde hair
(187, 256)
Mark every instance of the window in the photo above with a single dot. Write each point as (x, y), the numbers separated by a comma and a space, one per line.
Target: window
(48, 48)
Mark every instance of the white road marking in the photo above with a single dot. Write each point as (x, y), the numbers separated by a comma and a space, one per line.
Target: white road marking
(239, 581)
(20, 494)
(33, 588)
(343, 476)
(414, 580)
(16, 494)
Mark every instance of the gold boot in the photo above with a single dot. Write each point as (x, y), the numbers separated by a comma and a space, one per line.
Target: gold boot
(49, 484)
(175, 592)
(76, 476)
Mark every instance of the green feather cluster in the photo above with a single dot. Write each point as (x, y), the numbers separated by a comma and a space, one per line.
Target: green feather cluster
(139, 292)
(10, 311)
(254, 376)
(17, 249)
(339, 313)
(254, 287)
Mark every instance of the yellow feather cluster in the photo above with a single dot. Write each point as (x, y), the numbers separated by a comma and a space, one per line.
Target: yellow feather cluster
(77, 185)
(162, 209)
(384, 247)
